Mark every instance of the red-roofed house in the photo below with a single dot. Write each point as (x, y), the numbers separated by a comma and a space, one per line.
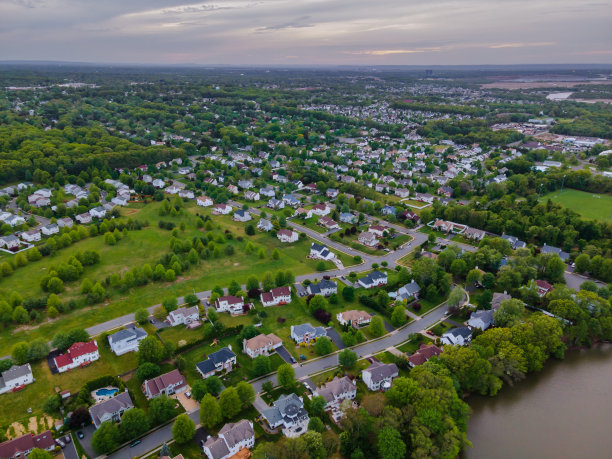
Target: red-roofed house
(286, 235)
(543, 287)
(22, 446)
(276, 296)
(230, 303)
(78, 355)
(425, 352)
(166, 384)
(321, 209)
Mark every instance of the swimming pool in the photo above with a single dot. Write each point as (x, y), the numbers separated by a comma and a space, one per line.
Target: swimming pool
(106, 392)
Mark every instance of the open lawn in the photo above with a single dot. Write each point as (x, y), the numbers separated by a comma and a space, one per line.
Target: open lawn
(147, 246)
(588, 205)
(15, 405)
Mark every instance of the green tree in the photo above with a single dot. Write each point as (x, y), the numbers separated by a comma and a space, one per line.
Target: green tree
(52, 404)
(229, 401)
(183, 429)
(286, 376)
(261, 365)
(147, 370)
(323, 346)
(398, 317)
(390, 444)
(161, 409)
(141, 316)
(472, 371)
(582, 263)
(38, 350)
(246, 393)
(320, 265)
(210, 412)
(316, 425)
(134, 422)
(150, 349)
(20, 315)
(348, 293)
(20, 353)
(317, 406)
(347, 358)
(510, 313)
(170, 275)
(377, 326)
(317, 302)
(106, 438)
(38, 453)
(455, 297)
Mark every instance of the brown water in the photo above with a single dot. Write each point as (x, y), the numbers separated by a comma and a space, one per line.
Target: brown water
(565, 411)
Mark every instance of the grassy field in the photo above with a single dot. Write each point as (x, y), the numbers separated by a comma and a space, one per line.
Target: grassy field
(147, 246)
(591, 206)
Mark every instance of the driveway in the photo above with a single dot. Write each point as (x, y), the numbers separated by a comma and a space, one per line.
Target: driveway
(300, 290)
(189, 404)
(335, 337)
(388, 326)
(285, 355)
(260, 405)
(86, 442)
(70, 451)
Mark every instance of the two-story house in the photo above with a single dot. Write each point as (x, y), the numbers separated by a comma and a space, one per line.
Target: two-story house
(15, 378)
(230, 303)
(354, 318)
(230, 440)
(373, 279)
(111, 409)
(127, 340)
(184, 316)
(337, 390)
(78, 355)
(167, 384)
(22, 446)
(289, 413)
(306, 333)
(379, 375)
(276, 296)
(222, 360)
(261, 345)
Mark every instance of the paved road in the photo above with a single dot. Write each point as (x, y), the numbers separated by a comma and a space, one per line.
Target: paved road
(574, 280)
(70, 451)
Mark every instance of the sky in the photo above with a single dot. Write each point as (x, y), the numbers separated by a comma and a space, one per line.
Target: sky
(308, 32)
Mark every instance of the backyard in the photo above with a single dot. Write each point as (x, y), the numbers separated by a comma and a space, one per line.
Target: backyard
(589, 205)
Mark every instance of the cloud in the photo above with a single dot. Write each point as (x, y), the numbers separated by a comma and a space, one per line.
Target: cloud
(298, 23)
(386, 52)
(522, 45)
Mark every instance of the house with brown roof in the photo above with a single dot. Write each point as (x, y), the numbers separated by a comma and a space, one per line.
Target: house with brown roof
(286, 235)
(261, 345)
(230, 303)
(475, 234)
(423, 354)
(231, 440)
(22, 446)
(167, 384)
(368, 239)
(276, 296)
(328, 223)
(354, 318)
(337, 390)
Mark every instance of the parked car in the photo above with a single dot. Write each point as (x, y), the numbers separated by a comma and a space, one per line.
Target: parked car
(429, 332)
(60, 443)
(67, 439)
(135, 442)
(80, 434)
(188, 394)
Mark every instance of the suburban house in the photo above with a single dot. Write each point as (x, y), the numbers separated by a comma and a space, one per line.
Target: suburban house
(459, 336)
(332, 193)
(65, 222)
(408, 291)
(402, 192)
(328, 223)
(321, 210)
(22, 446)
(354, 318)
(497, 299)
(167, 384)
(233, 189)
(78, 355)
(543, 287)
(515, 243)
(10, 242)
(337, 390)
(325, 288)
(185, 316)
(83, 218)
(424, 197)
(32, 235)
(242, 216)
(423, 354)
(276, 296)
(347, 217)
(15, 378)
(474, 234)
(373, 279)
(251, 195)
(261, 345)
(368, 239)
(268, 192)
(204, 201)
(186, 194)
(286, 235)
(50, 229)
(221, 209)
(276, 204)
(265, 225)
(378, 230)
(289, 412)
(445, 191)
(111, 409)
(550, 249)
(232, 304)
(481, 319)
(304, 213)
(408, 215)
(98, 212)
(388, 210)
(290, 200)
(379, 376)
(306, 333)
(158, 183)
(127, 340)
(320, 252)
(231, 439)
(449, 227)
(223, 359)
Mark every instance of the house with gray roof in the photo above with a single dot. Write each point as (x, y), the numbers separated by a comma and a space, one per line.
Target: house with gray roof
(127, 340)
(408, 291)
(379, 375)
(373, 279)
(549, 249)
(16, 377)
(223, 359)
(289, 413)
(231, 439)
(265, 225)
(459, 336)
(481, 319)
(337, 390)
(306, 333)
(325, 288)
(111, 409)
(515, 243)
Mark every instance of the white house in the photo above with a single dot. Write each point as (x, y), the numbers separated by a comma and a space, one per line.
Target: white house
(288, 411)
(265, 225)
(50, 229)
(127, 340)
(204, 201)
(65, 222)
(16, 378)
(354, 318)
(325, 288)
(285, 235)
(251, 195)
(183, 316)
(232, 304)
(158, 183)
(83, 218)
(78, 355)
(186, 194)
(320, 252)
(111, 409)
(223, 359)
(222, 209)
(379, 375)
(230, 440)
(242, 216)
(167, 384)
(368, 239)
(98, 212)
(408, 291)
(306, 333)
(261, 345)
(336, 391)
(10, 242)
(32, 235)
(276, 296)
(459, 336)
(321, 210)
(378, 230)
(373, 279)
(481, 319)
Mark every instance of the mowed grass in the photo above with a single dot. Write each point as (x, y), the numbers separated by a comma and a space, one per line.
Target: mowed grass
(588, 205)
(147, 246)
(15, 404)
